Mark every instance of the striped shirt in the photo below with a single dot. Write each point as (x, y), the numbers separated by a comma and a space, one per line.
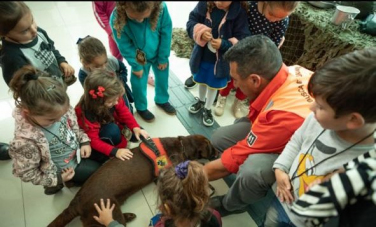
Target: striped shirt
(330, 198)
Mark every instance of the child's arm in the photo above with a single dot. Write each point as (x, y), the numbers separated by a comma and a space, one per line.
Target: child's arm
(164, 48)
(240, 30)
(105, 214)
(335, 194)
(124, 115)
(27, 163)
(82, 137)
(67, 69)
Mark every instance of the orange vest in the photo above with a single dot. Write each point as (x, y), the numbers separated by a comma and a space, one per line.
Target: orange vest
(285, 97)
(159, 161)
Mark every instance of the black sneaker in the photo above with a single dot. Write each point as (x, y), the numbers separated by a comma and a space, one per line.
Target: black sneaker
(146, 115)
(53, 190)
(216, 204)
(189, 83)
(207, 117)
(195, 108)
(4, 151)
(167, 107)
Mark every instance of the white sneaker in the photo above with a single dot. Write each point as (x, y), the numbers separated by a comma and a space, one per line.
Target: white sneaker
(240, 108)
(220, 106)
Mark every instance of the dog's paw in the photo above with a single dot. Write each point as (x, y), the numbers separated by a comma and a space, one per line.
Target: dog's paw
(129, 216)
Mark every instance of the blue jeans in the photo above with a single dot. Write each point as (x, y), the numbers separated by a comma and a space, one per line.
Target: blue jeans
(277, 216)
(111, 134)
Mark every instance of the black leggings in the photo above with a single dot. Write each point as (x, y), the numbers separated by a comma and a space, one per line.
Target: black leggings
(84, 170)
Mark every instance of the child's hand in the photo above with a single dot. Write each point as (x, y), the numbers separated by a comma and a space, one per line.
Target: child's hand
(283, 186)
(138, 73)
(207, 36)
(67, 69)
(216, 43)
(162, 66)
(123, 154)
(138, 131)
(104, 212)
(85, 151)
(67, 174)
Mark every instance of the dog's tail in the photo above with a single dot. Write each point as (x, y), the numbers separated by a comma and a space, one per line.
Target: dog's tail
(66, 216)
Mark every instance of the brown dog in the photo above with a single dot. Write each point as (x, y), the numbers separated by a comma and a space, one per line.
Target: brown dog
(117, 180)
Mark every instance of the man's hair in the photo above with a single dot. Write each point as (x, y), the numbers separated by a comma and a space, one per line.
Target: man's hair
(348, 83)
(256, 54)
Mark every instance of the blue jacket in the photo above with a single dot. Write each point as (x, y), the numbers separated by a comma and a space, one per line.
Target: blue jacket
(235, 26)
(156, 44)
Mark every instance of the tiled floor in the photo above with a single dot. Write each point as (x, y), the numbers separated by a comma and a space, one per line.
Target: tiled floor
(24, 204)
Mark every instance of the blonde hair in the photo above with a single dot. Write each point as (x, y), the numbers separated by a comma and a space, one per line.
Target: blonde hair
(38, 91)
(186, 198)
(139, 7)
(113, 87)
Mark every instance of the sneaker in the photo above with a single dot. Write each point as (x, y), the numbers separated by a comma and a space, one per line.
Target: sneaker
(207, 117)
(151, 81)
(195, 108)
(240, 108)
(4, 151)
(146, 115)
(167, 107)
(53, 190)
(216, 203)
(220, 106)
(189, 83)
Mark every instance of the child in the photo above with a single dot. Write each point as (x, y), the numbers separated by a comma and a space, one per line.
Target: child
(25, 43)
(267, 18)
(102, 114)
(93, 55)
(339, 129)
(102, 12)
(183, 195)
(215, 27)
(348, 195)
(143, 33)
(48, 145)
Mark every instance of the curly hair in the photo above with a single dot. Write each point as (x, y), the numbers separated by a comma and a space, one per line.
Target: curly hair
(139, 7)
(113, 87)
(210, 5)
(185, 198)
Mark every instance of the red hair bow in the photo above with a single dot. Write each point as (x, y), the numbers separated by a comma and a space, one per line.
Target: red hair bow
(92, 93)
(99, 93)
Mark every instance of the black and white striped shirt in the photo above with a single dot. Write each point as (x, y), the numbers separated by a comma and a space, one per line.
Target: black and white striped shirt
(328, 199)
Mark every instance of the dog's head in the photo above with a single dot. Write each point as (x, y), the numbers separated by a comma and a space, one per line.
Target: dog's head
(197, 147)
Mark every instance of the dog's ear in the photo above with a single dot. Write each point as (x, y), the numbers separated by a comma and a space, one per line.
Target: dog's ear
(207, 150)
(198, 146)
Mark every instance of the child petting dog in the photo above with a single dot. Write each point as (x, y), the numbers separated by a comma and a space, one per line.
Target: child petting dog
(102, 114)
(183, 193)
(48, 145)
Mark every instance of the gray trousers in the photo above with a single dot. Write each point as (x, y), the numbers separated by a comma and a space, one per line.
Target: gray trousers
(255, 176)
